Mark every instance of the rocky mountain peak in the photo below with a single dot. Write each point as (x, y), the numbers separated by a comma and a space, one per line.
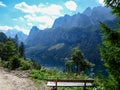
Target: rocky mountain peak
(34, 29)
(87, 18)
(88, 11)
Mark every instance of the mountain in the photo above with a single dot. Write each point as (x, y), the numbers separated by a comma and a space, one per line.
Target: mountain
(87, 18)
(51, 46)
(11, 33)
(3, 37)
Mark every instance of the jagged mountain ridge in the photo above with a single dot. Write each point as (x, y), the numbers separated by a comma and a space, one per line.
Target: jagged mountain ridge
(87, 18)
(50, 47)
(11, 33)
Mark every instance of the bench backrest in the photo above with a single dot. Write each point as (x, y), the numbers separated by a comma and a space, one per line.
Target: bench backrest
(59, 80)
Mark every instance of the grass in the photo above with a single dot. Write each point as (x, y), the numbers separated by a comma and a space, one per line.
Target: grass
(40, 77)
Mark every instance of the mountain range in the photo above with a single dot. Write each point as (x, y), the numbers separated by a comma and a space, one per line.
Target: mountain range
(12, 33)
(51, 46)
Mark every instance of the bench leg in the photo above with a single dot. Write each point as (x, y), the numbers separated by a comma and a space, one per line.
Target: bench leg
(54, 88)
(84, 88)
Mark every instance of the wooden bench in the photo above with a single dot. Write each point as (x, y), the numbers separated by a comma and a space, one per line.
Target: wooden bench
(70, 83)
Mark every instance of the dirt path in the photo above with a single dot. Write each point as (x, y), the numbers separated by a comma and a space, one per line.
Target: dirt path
(12, 81)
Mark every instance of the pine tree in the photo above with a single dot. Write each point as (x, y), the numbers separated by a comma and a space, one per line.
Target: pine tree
(22, 49)
(110, 51)
(7, 50)
(80, 63)
(16, 41)
(115, 5)
(68, 65)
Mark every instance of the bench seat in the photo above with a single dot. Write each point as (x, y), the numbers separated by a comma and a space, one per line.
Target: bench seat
(68, 84)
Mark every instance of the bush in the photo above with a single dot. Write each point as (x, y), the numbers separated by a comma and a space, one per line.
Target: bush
(4, 64)
(11, 64)
(25, 64)
(35, 65)
(14, 63)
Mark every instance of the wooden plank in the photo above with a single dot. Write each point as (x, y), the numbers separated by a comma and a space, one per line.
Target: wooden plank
(69, 84)
(54, 80)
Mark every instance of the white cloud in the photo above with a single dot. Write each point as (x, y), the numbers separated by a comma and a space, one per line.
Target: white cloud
(21, 29)
(26, 8)
(44, 20)
(30, 24)
(101, 2)
(18, 19)
(52, 9)
(42, 15)
(42, 26)
(5, 28)
(2, 4)
(71, 5)
(21, 18)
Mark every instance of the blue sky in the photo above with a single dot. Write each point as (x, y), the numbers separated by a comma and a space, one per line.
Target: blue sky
(23, 14)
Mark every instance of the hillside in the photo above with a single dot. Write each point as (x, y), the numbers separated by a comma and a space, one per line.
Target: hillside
(50, 47)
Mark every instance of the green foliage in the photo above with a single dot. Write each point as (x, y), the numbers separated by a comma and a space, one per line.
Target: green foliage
(22, 49)
(68, 64)
(35, 65)
(4, 64)
(16, 41)
(25, 64)
(13, 63)
(12, 55)
(115, 5)
(7, 50)
(43, 74)
(104, 83)
(110, 51)
(80, 63)
(110, 54)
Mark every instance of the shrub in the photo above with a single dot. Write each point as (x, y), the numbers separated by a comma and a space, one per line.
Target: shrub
(14, 63)
(35, 65)
(25, 64)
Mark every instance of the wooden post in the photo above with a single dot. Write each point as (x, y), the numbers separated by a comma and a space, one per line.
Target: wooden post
(84, 88)
(56, 84)
(55, 87)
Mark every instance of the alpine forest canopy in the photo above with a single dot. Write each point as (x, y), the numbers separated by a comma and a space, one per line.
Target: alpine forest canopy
(12, 54)
(110, 51)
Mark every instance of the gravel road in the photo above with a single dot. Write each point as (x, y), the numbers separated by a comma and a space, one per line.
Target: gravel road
(11, 81)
